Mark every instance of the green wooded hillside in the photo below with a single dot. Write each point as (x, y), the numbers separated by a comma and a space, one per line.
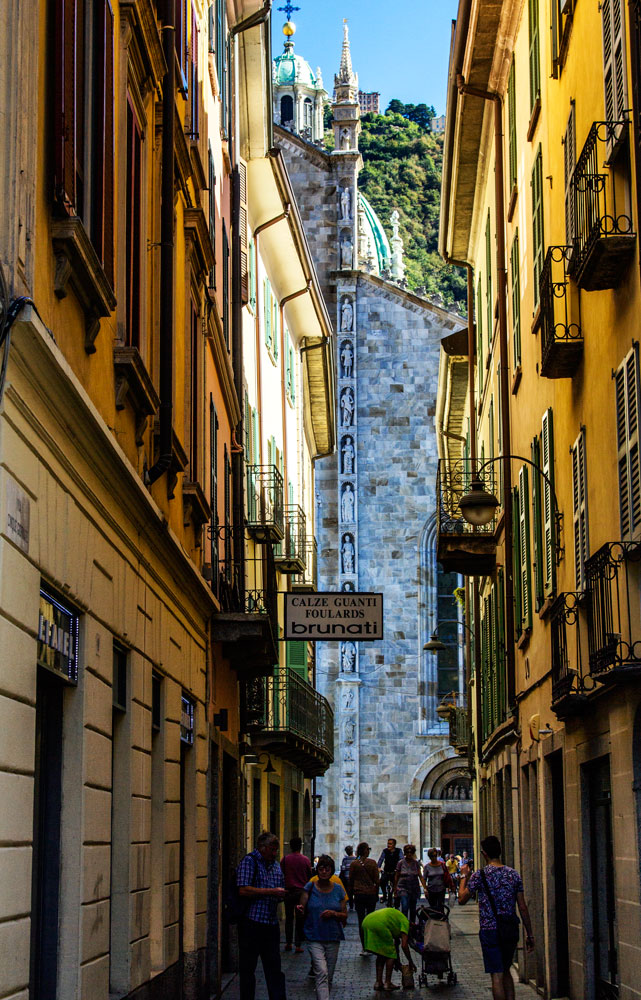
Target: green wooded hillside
(402, 169)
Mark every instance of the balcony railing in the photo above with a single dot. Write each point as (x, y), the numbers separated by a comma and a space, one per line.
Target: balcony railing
(290, 552)
(462, 547)
(248, 619)
(561, 336)
(604, 239)
(308, 579)
(297, 722)
(614, 624)
(569, 684)
(265, 503)
(460, 730)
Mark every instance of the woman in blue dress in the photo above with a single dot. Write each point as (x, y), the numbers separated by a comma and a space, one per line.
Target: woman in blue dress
(325, 907)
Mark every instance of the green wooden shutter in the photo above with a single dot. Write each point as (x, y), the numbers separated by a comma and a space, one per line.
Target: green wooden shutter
(569, 163)
(524, 549)
(490, 428)
(511, 117)
(296, 653)
(276, 329)
(480, 359)
(247, 428)
(488, 291)
(494, 663)
(614, 71)
(537, 222)
(501, 680)
(538, 525)
(549, 540)
(252, 274)
(516, 557)
(485, 670)
(580, 509)
(535, 57)
(627, 415)
(516, 300)
(267, 312)
(255, 438)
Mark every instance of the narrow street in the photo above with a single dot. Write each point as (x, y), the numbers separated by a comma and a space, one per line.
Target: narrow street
(355, 975)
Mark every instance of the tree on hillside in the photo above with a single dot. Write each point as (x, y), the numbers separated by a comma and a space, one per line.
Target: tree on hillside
(420, 114)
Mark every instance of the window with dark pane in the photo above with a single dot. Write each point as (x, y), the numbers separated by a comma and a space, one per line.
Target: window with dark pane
(119, 682)
(449, 632)
(133, 227)
(156, 702)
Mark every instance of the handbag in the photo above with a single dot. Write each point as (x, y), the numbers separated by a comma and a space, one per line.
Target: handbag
(508, 925)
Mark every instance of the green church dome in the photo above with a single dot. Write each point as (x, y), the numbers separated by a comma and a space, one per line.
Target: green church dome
(376, 236)
(290, 68)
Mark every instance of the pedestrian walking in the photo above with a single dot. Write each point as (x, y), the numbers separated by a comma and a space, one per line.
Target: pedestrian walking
(260, 881)
(364, 879)
(323, 906)
(499, 890)
(438, 880)
(297, 871)
(385, 931)
(408, 881)
(344, 873)
(387, 862)
(452, 865)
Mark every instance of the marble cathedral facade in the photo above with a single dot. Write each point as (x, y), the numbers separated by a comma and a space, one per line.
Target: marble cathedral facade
(394, 774)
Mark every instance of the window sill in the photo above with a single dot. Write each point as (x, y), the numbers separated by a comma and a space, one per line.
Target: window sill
(534, 119)
(546, 607)
(524, 639)
(536, 319)
(179, 460)
(198, 240)
(516, 380)
(272, 357)
(77, 265)
(512, 203)
(134, 382)
(195, 508)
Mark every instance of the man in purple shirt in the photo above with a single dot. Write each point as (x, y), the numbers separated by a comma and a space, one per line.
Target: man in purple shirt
(297, 870)
(500, 891)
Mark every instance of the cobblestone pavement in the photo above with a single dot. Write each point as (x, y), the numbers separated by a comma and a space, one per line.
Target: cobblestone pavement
(355, 976)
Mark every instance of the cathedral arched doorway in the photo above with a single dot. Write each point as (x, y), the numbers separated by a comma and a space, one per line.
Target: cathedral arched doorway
(441, 807)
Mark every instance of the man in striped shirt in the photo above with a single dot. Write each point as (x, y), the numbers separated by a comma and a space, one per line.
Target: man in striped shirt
(260, 881)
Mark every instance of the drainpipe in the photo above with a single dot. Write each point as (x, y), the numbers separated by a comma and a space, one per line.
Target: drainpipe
(166, 339)
(504, 387)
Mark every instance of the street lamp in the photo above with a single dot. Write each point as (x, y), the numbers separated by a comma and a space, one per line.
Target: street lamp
(254, 758)
(436, 645)
(478, 505)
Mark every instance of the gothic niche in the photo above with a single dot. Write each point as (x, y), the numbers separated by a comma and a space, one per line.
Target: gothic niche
(345, 202)
(347, 407)
(460, 789)
(348, 660)
(347, 316)
(347, 455)
(347, 503)
(347, 250)
(348, 587)
(348, 553)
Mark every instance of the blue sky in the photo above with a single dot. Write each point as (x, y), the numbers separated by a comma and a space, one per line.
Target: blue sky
(400, 49)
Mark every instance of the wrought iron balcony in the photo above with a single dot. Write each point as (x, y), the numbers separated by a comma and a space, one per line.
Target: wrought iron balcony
(603, 236)
(290, 552)
(561, 336)
(569, 685)
(462, 547)
(308, 579)
(459, 730)
(297, 723)
(614, 622)
(247, 623)
(265, 503)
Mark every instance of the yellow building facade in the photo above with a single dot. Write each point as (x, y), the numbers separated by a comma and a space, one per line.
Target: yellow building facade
(540, 201)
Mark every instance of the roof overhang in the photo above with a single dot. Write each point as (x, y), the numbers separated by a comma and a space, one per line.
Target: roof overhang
(481, 49)
(452, 395)
(288, 260)
(254, 56)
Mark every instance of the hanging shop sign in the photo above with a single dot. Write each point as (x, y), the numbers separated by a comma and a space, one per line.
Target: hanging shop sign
(18, 515)
(58, 637)
(330, 616)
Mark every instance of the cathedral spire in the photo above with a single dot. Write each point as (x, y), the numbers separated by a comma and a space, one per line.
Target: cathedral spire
(346, 73)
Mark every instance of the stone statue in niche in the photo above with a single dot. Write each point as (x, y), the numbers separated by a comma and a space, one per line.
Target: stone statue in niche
(347, 359)
(348, 659)
(348, 553)
(347, 503)
(347, 407)
(348, 755)
(348, 587)
(348, 698)
(350, 731)
(347, 452)
(345, 142)
(346, 204)
(349, 790)
(347, 253)
(347, 316)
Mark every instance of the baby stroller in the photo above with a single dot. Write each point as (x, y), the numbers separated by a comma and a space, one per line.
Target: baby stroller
(430, 937)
